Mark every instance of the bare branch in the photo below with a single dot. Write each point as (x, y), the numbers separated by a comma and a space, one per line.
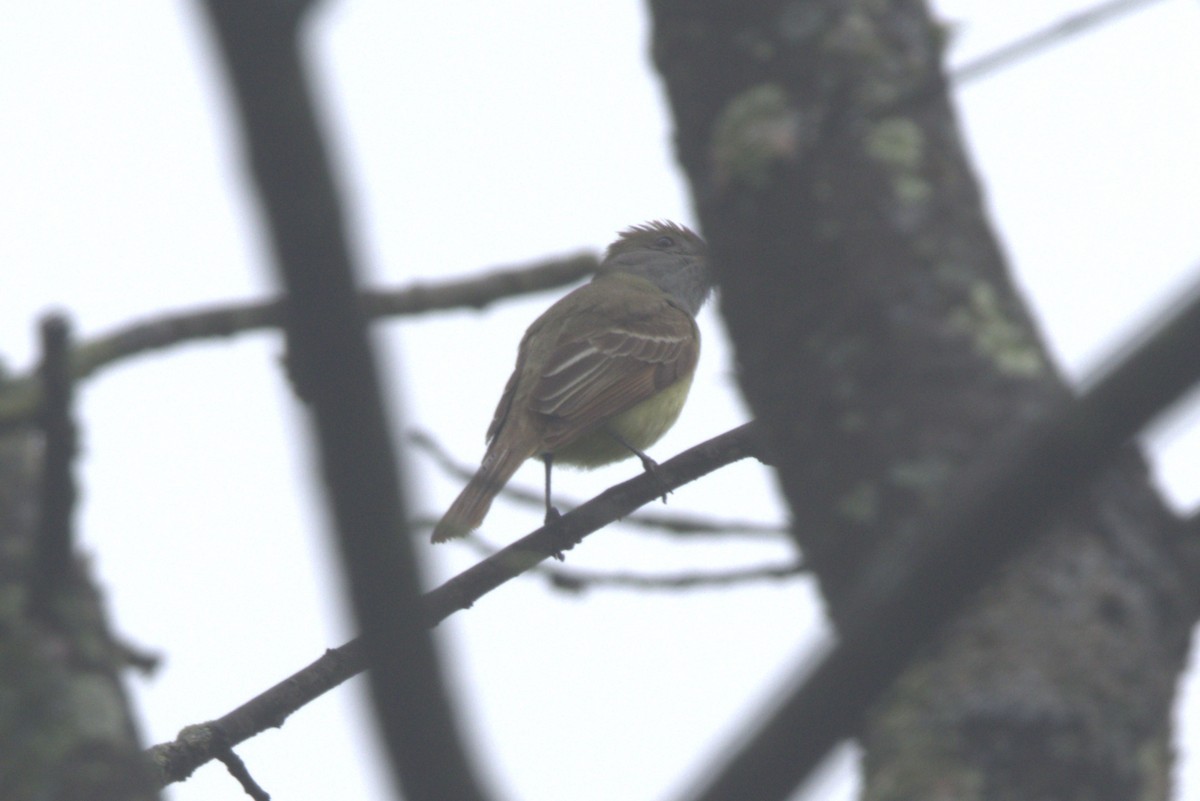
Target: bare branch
(679, 523)
(331, 363)
(19, 398)
(579, 580)
(200, 743)
(238, 770)
(54, 538)
(1038, 41)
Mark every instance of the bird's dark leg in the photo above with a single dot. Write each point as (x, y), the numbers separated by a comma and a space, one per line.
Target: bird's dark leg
(552, 514)
(648, 464)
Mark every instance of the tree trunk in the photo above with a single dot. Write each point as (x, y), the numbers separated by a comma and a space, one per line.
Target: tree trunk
(66, 728)
(881, 342)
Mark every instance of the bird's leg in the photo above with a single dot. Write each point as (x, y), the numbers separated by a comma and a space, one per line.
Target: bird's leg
(648, 464)
(552, 513)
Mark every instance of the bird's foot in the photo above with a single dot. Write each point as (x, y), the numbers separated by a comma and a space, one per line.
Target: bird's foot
(552, 514)
(651, 467)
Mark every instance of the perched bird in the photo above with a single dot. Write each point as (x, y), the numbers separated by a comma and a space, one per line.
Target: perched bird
(603, 373)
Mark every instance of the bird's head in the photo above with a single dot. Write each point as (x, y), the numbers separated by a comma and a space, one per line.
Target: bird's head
(669, 255)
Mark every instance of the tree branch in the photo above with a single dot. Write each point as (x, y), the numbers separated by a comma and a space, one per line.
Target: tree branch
(581, 580)
(677, 523)
(53, 538)
(200, 743)
(1038, 41)
(19, 398)
(331, 363)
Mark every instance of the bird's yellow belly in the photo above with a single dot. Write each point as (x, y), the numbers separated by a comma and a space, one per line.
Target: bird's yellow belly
(640, 426)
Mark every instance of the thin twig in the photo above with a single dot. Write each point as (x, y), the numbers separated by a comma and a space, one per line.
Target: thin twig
(679, 523)
(577, 580)
(54, 539)
(934, 86)
(238, 770)
(1054, 34)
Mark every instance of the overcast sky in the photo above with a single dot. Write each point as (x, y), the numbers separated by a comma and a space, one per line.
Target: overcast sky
(471, 135)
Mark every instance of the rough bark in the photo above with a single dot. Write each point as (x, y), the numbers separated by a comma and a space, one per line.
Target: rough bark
(66, 729)
(882, 344)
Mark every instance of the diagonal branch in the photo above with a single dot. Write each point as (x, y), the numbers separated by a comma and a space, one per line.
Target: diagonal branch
(1038, 41)
(675, 523)
(200, 743)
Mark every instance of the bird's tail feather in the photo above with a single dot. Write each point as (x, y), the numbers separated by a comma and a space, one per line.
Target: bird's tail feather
(472, 504)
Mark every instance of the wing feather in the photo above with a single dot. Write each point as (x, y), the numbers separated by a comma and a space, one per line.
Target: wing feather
(583, 370)
(611, 370)
(504, 407)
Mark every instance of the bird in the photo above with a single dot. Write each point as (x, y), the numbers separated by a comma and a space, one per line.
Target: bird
(603, 373)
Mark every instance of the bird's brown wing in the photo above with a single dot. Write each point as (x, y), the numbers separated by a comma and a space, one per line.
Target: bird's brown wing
(506, 399)
(588, 379)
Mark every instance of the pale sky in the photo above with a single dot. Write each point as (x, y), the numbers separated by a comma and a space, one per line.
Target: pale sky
(473, 135)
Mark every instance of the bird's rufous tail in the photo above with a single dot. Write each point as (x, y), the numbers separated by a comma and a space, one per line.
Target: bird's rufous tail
(472, 504)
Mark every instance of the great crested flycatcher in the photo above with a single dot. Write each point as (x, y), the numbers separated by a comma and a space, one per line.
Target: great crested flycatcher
(603, 373)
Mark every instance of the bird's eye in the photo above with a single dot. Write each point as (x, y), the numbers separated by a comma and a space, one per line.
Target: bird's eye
(664, 242)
